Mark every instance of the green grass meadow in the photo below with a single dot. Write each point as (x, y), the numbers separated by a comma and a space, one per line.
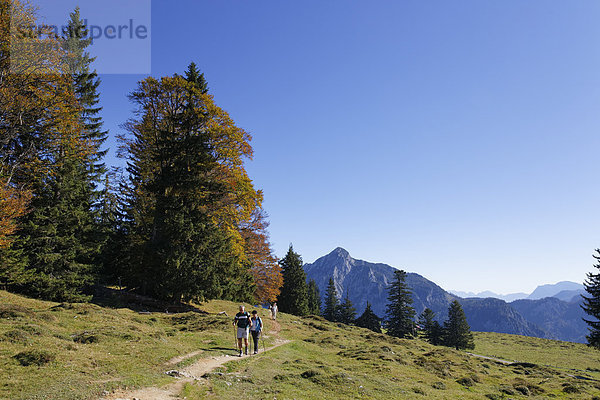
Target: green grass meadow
(77, 351)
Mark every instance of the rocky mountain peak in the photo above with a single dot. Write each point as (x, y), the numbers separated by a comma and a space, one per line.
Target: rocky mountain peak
(340, 252)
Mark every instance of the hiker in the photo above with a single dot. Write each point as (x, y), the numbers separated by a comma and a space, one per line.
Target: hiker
(242, 320)
(255, 329)
(274, 311)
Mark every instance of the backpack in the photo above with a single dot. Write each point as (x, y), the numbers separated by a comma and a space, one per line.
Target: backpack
(260, 324)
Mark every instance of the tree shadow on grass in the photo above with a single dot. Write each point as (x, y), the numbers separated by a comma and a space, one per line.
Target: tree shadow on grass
(114, 298)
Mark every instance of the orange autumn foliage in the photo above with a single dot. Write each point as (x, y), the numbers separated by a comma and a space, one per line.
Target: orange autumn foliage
(265, 269)
(13, 204)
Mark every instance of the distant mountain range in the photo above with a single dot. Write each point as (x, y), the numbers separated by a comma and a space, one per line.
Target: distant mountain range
(563, 290)
(550, 311)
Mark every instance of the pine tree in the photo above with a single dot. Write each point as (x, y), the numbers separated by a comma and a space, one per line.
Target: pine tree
(194, 76)
(293, 298)
(59, 237)
(330, 309)
(591, 304)
(457, 332)
(85, 81)
(431, 329)
(399, 312)
(314, 298)
(346, 311)
(369, 320)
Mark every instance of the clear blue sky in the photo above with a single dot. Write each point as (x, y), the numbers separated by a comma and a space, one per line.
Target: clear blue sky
(456, 139)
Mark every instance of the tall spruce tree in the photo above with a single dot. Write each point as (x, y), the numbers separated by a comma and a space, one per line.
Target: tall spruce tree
(175, 186)
(59, 237)
(399, 311)
(346, 311)
(369, 320)
(314, 298)
(293, 298)
(457, 332)
(76, 40)
(432, 330)
(330, 308)
(591, 304)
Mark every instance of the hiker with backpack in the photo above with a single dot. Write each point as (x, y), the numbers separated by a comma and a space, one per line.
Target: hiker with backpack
(242, 321)
(256, 326)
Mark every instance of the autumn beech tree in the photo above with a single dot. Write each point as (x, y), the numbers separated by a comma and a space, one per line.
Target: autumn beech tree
(264, 267)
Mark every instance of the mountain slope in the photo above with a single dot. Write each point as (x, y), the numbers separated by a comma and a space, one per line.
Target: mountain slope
(560, 319)
(495, 315)
(365, 281)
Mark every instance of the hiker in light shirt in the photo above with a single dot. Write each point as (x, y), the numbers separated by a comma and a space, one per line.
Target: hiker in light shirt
(242, 320)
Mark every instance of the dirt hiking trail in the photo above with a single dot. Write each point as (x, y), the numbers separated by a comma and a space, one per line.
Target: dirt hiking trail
(190, 373)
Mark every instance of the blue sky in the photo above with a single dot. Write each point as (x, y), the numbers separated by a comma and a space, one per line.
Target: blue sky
(458, 140)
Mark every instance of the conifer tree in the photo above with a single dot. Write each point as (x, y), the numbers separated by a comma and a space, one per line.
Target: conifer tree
(369, 320)
(330, 309)
(85, 81)
(176, 191)
(44, 149)
(457, 332)
(293, 298)
(591, 304)
(314, 298)
(59, 237)
(346, 311)
(194, 76)
(431, 329)
(399, 311)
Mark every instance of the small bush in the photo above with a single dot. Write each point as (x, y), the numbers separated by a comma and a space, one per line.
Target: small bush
(16, 336)
(493, 396)
(570, 388)
(34, 357)
(319, 327)
(508, 390)
(309, 374)
(85, 338)
(418, 390)
(32, 329)
(524, 390)
(467, 382)
(439, 386)
(11, 311)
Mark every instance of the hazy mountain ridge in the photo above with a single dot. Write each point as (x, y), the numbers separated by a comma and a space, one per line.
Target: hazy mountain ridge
(365, 281)
(564, 290)
(550, 290)
(561, 320)
(506, 297)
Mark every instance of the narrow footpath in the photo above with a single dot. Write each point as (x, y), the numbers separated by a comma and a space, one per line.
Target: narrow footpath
(189, 374)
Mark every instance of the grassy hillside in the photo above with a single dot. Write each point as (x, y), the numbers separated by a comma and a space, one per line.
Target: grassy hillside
(77, 351)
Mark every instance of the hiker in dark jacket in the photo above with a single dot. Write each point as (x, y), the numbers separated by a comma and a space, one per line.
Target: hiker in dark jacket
(255, 329)
(242, 320)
